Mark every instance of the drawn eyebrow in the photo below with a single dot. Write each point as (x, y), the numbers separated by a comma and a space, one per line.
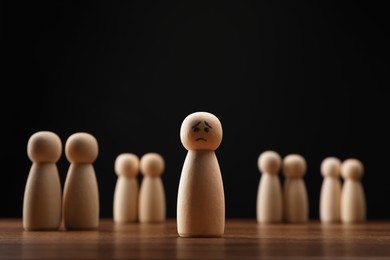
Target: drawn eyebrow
(196, 125)
(207, 124)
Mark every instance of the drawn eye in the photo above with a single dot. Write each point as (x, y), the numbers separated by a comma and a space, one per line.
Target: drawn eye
(196, 129)
(206, 129)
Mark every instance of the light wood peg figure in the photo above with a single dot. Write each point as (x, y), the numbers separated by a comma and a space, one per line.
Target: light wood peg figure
(201, 200)
(42, 195)
(296, 202)
(152, 205)
(81, 196)
(269, 207)
(353, 201)
(330, 195)
(126, 195)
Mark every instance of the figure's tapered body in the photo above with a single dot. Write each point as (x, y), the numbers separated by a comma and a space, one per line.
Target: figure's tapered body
(353, 205)
(81, 198)
(201, 202)
(296, 204)
(126, 197)
(152, 206)
(42, 198)
(330, 200)
(269, 200)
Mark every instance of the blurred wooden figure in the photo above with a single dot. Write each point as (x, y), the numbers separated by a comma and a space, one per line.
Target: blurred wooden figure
(152, 206)
(42, 195)
(296, 202)
(126, 190)
(330, 195)
(269, 195)
(201, 200)
(81, 197)
(353, 201)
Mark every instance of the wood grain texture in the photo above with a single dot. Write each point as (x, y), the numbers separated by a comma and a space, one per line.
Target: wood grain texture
(243, 239)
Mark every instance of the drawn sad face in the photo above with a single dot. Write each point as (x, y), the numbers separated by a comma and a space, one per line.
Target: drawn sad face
(201, 131)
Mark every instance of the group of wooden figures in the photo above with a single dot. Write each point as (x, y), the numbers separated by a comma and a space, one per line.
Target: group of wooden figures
(46, 207)
(339, 201)
(200, 201)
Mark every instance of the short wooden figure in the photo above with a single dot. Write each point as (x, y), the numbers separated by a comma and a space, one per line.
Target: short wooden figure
(152, 205)
(330, 195)
(269, 207)
(126, 192)
(353, 201)
(296, 202)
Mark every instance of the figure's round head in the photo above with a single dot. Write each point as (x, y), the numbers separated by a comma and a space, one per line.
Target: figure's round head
(201, 131)
(44, 146)
(352, 169)
(330, 167)
(127, 164)
(81, 148)
(152, 164)
(269, 162)
(294, 166)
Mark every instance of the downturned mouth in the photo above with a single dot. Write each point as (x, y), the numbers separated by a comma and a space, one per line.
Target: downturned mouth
(200, 139)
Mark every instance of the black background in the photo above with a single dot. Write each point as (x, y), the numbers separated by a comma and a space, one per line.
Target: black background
(295, 77)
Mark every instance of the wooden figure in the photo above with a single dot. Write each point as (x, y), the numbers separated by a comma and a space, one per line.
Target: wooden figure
(353, 201)
(269, 207)
(201, 200)
(330, 195)
(152, 206)
(81, 196)
(125, 207)
(42, 195)
(296, 203)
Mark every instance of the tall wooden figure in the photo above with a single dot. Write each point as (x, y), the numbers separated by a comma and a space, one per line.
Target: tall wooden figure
(296, 201)
(201, 199)
(42, 195)
(125, 207)
(330, 195)
(353, 201)
(81, 197)
(152, 206)
(269, 207)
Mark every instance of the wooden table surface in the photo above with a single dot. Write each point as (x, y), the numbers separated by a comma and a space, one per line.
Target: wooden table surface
(243, 239)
